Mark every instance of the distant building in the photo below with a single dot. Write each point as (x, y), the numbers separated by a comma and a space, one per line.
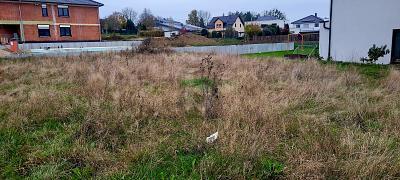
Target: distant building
(356, 25)
(221, 23)
(309, 24)
(173, 28)
(50, 20)
(267, 20)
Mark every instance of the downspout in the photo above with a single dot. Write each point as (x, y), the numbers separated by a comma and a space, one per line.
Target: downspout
(21, 24)
(330, 30)
(98, 21)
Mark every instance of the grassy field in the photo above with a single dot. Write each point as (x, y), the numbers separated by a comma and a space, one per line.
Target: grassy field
(115, 116)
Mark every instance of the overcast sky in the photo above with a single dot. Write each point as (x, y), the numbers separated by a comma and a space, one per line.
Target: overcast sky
(178, 9)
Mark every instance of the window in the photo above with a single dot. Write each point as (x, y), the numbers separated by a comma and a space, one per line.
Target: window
(44, 30)
(44, 10)
(240, 25)
(65, 30)
(298, 26)
(235, 24)
(316, 25)
(306, 25)
(219, 25)
(63, 11)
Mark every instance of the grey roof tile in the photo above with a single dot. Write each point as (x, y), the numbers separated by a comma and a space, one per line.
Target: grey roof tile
(309, 19)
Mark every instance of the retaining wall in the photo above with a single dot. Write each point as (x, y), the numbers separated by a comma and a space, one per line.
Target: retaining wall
(29, 46)
(238, 49)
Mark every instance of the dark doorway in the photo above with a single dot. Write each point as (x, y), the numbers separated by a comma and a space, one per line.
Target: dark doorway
(396, 47)
(8, 32)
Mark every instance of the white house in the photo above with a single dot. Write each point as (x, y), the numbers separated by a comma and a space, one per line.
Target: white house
(267, 20)
(309, 24)
(356, 25)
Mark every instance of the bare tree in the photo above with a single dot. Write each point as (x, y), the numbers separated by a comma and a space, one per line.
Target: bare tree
(205, 15)
(129, 14)
(276, 13)
(114, 22)
(147, 18)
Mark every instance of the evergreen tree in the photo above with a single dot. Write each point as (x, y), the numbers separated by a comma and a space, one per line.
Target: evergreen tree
(130, 27)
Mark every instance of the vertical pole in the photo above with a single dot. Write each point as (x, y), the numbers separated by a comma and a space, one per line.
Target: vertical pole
(330, 31)
(21, 24)
(98, 17)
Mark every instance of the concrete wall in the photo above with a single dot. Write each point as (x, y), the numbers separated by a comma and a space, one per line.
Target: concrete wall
(238, 49)
(357, 25)
(38, 49)
(84, 21)
(30, 46)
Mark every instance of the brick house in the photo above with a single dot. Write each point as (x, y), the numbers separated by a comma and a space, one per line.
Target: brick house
(50, 20)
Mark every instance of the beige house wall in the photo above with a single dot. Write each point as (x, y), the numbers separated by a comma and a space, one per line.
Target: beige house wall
(238, 26)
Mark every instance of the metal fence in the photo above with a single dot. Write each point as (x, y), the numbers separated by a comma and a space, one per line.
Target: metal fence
(314, 37)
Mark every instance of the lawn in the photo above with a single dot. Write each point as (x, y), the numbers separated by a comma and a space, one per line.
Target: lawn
(147, 116)
(306, 50)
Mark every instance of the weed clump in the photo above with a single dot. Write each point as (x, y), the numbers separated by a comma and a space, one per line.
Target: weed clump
(212, 74)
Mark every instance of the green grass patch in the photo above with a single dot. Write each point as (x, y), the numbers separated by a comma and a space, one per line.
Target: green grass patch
(304, 51)
(371, 71)
(45, 144)
(197, 82)
(118, 37)
(270, 168)
(198, 162)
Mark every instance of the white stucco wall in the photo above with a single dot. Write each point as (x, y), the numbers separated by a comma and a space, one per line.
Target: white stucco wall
(239, 26)
(307, 27)
(324, 40)
(357, 25)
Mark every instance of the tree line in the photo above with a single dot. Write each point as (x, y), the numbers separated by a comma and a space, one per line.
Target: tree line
(202, 18)
(127, 20)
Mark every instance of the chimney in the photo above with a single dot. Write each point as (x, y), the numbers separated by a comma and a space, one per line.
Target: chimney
(316, 14)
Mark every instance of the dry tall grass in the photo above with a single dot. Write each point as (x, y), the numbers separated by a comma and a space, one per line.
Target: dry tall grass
(114, 115)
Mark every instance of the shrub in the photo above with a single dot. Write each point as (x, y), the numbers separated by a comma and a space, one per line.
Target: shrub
(151, 33)
(216, 34)
(252, 30)
(231, 33)
(375, 53)
(149, 47)
(212, 73)
(204, 32)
